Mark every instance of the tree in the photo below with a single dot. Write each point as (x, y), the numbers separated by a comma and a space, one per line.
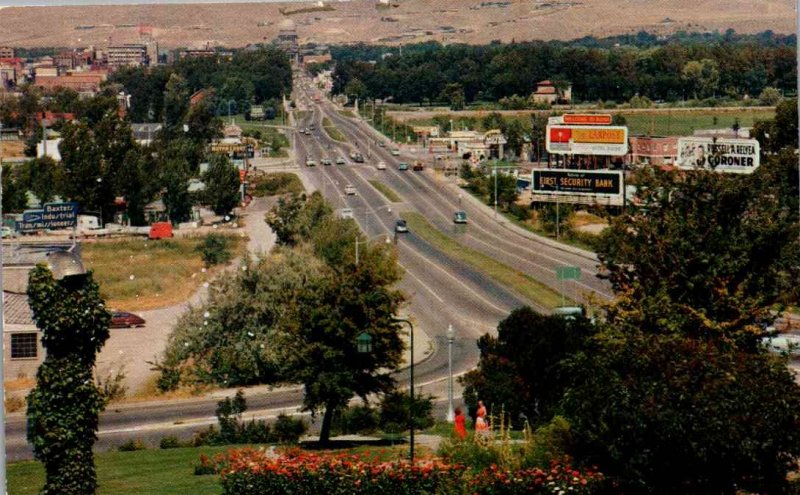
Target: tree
(669, 414)
(42, 176)
(176, 198)
(222, 184)
(520, 369)
(702, 76)
(64, 406)
(355, 89)
(770, 96)
(176, 104)
(14, 197)
(294, 218)
(708, 253)
(203, 125)
(454, 94)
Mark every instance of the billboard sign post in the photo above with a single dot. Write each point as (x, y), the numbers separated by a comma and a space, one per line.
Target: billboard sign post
(596, 183)
(735, 156)
(607, 140)
(52, 216)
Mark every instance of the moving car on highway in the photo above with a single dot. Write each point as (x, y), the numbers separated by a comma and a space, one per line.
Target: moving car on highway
(402, 166)
(401, 226)
(381, 166)
(419, 166)
(310, 163)
(460, 217)
(340, 160)
(349, 190)
(395, 152)
(326, 161)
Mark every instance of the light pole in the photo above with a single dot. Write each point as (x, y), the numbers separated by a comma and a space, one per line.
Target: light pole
(451, 335)
(388, 241)
(410, 388)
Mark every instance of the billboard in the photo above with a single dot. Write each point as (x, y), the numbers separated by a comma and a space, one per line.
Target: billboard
(52, 216)
(736, 156)
(586, 119)
(597, 183)
(608, 140)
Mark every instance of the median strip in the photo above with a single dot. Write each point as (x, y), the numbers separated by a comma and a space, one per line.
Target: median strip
(386, 191)
(517, 281)
(332, 131)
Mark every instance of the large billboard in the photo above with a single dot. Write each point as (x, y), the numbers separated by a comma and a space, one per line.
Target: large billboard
(608, 140)
(597, 183)
(737, 156)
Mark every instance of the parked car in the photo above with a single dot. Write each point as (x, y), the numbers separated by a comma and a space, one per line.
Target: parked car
(395, 152)
(419, 166)
(349, 190)
(340, 160)
(381, 166)
(401, 226)
(122, 319)
(402, 166)
(460, 217)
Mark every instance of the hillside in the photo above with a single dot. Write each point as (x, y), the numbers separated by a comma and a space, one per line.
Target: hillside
(407, 21)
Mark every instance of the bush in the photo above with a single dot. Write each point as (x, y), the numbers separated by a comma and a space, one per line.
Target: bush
(395, 412)
(112, 387)
(255, 431)
(206, 466)
(356, 419)
(215, 250)
(132, 446)
(170, 442)
(288, 430)
(209, 436)
(520, 212)
(551, 441)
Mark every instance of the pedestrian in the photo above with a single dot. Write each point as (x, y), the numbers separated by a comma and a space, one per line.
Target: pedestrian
(460, 424)
(481, 425)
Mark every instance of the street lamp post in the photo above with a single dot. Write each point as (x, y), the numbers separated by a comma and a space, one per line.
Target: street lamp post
(451, 334)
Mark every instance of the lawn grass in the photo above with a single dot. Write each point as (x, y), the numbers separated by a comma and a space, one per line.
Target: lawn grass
(332, 130)
(144, 472)
(386, 191)
(275, 183)
(137, 274)
(522, 283)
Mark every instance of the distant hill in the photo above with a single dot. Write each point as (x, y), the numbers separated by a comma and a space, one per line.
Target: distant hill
(402, 21)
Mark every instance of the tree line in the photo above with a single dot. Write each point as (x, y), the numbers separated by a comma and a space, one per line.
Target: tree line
(670, 72)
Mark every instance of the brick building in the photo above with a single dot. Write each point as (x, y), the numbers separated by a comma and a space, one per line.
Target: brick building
(652, 150)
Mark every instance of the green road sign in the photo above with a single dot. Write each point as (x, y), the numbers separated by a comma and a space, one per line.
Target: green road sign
(568, 273)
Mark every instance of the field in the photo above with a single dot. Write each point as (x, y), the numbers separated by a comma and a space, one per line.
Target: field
(275, 183)
(656, 122)
(138, 274)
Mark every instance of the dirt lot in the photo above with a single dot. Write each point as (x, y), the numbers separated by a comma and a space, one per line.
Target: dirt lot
(406, 21)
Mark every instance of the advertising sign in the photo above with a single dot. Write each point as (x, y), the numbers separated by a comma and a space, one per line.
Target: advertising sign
(586, 119)
(587, 140)
(52, 216)
(598, 183)
(736, 156)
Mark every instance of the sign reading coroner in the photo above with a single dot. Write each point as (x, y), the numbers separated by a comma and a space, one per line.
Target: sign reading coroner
(736, 156)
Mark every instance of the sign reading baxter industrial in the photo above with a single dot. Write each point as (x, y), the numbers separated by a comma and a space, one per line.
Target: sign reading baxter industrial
(736, 156)
(52, 216)
(607, 140)
(598, 183)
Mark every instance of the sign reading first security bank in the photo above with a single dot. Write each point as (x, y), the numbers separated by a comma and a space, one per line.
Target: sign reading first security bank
(599, 183)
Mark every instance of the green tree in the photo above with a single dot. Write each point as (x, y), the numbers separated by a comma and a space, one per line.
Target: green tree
(520, 369)
(454, 94)
(176, 198)
(293, 219)
(702, 76)
(42, 176)
(64, 406)
(203, 125)
(176, 104)
(355, 89)
(667, 414)
(222, 184)
(770, 96)
(14, 197)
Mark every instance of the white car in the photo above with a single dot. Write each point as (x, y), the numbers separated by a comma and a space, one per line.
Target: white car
(381, 166)
(349, 190)
(346, 213)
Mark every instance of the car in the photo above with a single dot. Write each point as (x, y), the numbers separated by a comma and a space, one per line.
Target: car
(325, 161)
(123, 319)
(395, 152)
(460, 217)
(402, 166)
(312, 127)
(401, 226)
(381, 166)
(419, 166)
(340, 160)
(7, 232)
(349, 190)
(381, 144)
(358, 158)
(310, 163)
(570, 312)
(346, 213)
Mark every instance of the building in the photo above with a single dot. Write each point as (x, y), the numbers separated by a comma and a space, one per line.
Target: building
(46, 71)
(6, 52)
(287, 39)
(469, 145)
(145, 133)
(547, 92)
(132, 55)
(83, 82)
(12, 72)
(316, 59)
(652, 150)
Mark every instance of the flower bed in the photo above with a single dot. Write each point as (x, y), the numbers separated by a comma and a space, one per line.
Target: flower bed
(255, 472)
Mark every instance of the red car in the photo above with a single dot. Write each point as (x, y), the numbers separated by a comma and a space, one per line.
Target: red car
(121, 319)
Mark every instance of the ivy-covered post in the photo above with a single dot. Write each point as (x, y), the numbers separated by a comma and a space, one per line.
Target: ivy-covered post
(64, 407)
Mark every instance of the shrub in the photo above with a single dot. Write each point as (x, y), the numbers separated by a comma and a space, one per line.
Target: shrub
(170, 442)
(356, 419)
(132, 445)
(521, 212)
(215, 250)
(551, 441)
(209, 436)
(112, 387)
(288, 429)
(206, 466)
(395, 412)
(255, 431)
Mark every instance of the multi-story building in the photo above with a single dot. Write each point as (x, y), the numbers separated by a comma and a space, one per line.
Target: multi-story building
(83, 82)
(133, 55)
(547, 92)
(6, 52)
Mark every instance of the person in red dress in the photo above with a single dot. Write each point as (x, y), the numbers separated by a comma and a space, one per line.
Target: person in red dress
(460, 424)
(481, 423)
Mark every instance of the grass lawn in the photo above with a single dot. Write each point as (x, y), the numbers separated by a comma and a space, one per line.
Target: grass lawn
(275, 183)
(386, 191)
(167, 472)
(523, 284)
(684, 122)
(332, 131)
(137, 274)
